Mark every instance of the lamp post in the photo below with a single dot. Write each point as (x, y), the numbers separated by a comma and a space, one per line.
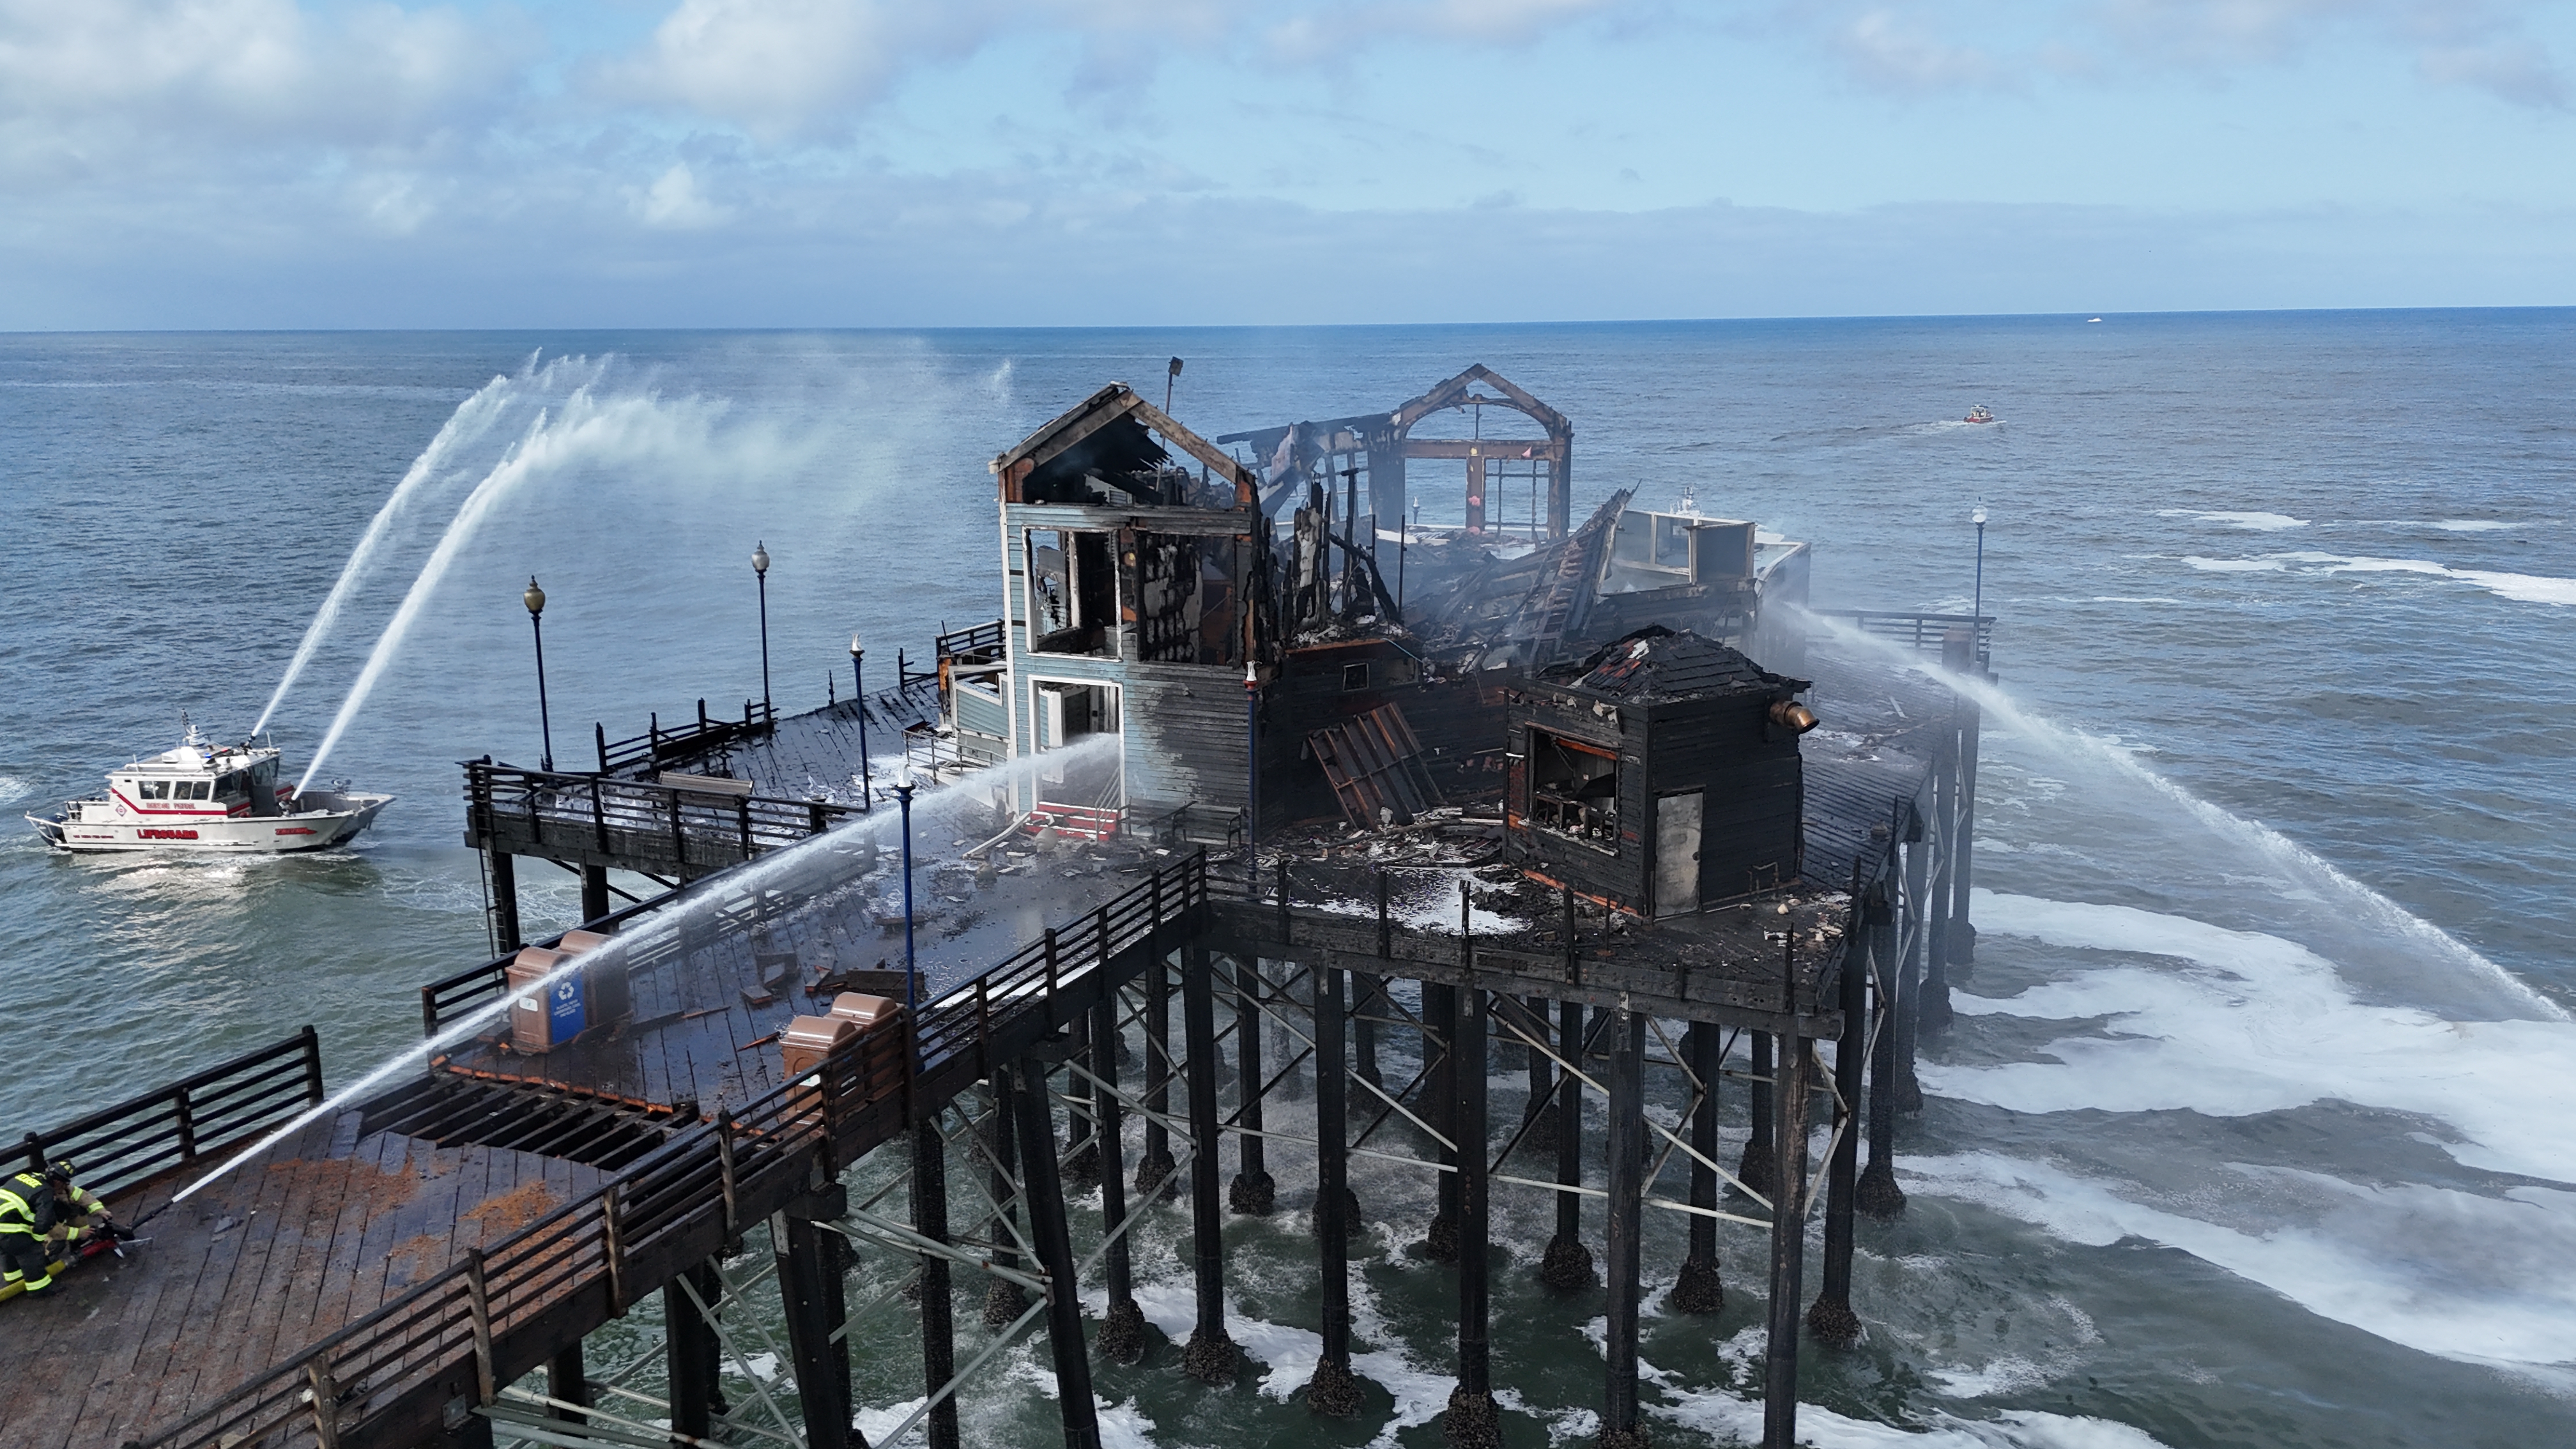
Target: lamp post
(1252, 778)
(1978, 609)
(760, 571)
(911, 978)
(859, 696)
(535, 599)
(1171, 375)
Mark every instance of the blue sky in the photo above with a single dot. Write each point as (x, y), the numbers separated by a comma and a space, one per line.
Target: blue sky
(268, 163)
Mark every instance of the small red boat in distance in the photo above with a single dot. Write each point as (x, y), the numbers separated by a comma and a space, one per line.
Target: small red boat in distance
(1978, 414)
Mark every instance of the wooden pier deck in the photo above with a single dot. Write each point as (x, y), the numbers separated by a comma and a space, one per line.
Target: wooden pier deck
(372, 1278)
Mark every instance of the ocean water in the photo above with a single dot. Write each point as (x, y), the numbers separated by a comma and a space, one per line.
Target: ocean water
(2255, 1126)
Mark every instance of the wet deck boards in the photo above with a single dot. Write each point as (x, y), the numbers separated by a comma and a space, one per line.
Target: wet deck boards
(319, 1231)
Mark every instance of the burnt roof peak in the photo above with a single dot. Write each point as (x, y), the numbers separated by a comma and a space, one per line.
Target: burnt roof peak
(1660, 663)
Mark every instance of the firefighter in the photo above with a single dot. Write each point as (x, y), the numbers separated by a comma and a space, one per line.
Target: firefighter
(78, 1214)
(27, 1213)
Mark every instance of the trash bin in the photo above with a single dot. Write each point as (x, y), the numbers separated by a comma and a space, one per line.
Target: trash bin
(544, 1014)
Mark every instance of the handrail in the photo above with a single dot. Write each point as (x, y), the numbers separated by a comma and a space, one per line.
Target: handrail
(1926, 632)
(975, 640)
(658, 746)
(868, 1086)
(668, 824)
(118, 1147)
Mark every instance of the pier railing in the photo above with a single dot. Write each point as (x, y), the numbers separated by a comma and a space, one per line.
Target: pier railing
(684, 829)
(682, 743)
(120, 1147)
(453, 1341)
(1924, 633)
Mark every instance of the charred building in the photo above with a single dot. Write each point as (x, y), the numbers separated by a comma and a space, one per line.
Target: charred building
(1658, 776)
(1265, 650)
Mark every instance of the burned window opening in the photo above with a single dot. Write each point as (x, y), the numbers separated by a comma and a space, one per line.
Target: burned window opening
(1186, 598)
(1355, 677)
(1574, 790)
(1073, 593)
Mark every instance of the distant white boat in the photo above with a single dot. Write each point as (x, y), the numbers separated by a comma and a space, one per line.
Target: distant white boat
(2092, 319)
(196, 796)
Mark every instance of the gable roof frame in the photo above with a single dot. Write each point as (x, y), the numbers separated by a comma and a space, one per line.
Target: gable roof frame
(1098, 411)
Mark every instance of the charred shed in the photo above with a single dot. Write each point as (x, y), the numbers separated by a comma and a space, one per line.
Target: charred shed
(1659, 776)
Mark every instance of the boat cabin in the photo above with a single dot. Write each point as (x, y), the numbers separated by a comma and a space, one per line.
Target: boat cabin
(193, 779)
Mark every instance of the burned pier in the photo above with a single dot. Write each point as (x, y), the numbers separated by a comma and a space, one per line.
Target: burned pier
(1232, 880)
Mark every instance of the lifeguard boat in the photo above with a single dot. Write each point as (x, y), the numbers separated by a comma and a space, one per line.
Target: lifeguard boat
(197, 796)
(1978, 414)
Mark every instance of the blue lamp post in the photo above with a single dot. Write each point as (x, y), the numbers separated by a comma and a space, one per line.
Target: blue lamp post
(859, 697)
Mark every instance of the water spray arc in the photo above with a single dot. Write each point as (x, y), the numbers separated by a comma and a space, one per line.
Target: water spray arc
(2293, 860)
(472, 419)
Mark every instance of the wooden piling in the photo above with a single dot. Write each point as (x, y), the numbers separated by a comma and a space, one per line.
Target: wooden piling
(1472, 1422)
(1568, 1260)
(1333, 1390)
(1700, 1289)
(1211, 1355)
(505, 901)
(691, 1353)
(567, 1381)
(938, 1330)
(1754, 1168)
(1122, 1330)
(810, 1292)
(1788, 1245)
(1620, 1428)
(1878, 1195)
(1962, 935)
(594, 893)
(1154, 1168)
(1439, 1019)
(1004, 1300)
(1831, 1318)
(1253, 1192)
(1054, 1242)
(1541, 1111)
(1916, 929)
(1935, 1012)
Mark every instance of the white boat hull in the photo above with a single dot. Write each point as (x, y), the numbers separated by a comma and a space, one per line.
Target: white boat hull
(97, 826)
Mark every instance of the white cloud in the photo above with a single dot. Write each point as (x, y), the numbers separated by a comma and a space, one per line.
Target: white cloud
(1886, 51)
(776, 67)
(674, 203)
(86, 86)
(1915, 46)
(2519, 71)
